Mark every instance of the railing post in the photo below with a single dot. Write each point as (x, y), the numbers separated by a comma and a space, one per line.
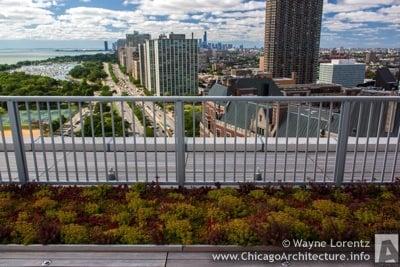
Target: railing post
(18, 142)
(180, 143)
(343, 137)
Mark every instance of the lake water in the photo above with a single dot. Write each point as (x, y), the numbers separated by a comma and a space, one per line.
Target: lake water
(12, 56)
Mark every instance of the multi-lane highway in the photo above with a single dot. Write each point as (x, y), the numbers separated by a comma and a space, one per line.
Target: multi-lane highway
(123, 108)
(164, 120)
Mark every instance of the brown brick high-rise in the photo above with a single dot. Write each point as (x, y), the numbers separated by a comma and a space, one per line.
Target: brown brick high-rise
(292, 38)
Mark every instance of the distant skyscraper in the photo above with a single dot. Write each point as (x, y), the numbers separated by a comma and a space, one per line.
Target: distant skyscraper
(170, 65)
(344, 72)
(205, 40)
(105, 45)
(292, 38)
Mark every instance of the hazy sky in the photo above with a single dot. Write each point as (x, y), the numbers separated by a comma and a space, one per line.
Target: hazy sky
(348, 23)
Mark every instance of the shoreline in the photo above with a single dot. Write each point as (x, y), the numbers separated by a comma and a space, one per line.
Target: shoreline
(15, 56)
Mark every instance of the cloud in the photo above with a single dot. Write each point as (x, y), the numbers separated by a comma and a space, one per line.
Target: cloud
(225, 20)
(355, 5)
(168, 7)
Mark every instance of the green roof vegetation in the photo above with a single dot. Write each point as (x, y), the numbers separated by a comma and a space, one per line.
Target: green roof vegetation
(149, 214)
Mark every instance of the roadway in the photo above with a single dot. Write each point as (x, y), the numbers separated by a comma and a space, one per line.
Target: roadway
(123, 108)
(151, 110)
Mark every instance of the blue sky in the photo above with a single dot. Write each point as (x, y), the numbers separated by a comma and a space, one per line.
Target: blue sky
(60, 23)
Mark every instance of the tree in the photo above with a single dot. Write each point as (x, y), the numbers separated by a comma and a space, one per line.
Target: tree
(370, 74)
(107, 121)
(92, 71)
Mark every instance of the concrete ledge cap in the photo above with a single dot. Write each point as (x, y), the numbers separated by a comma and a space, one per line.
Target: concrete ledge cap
(91, 248)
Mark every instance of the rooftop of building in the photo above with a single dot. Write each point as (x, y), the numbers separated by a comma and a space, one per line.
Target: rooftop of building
(343, 62)
(310, 86)
(385, 75)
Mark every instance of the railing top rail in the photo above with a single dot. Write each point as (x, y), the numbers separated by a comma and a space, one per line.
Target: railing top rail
(200, 98)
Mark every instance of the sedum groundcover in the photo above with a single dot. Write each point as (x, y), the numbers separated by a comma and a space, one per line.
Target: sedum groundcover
(149, 214)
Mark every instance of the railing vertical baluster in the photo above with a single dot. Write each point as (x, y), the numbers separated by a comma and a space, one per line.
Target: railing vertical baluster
(386, 150)
(277, 119)
(396, 154)
(180, 143)
(93, 140)
(318, 139)
(4, 145)
(165, 141)
(215, 143)
(32, 139)
(266, 133)
(145, 140)
(246, 115)
(46, 170)
(343, 137)
(194, 140)
(204, 139)
(329, 139)
(371, 110)
(357, 140)
(122, 103)
(225, 135)
(52, 141)
(82, 125)
(3, 138)
(134, 140)
(256, 141)
(18, 140)
(285, 167)
(63, 140)
(73, 142)
(378, 135)
(155, 138)
(114, 141)
(307, 141)
(297, 142)
(103, 134)
(235, 145)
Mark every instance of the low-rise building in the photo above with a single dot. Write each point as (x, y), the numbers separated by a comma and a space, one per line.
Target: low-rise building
(345, 72)
(236, 118)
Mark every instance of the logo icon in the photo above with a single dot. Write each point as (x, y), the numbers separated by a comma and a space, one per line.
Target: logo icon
(387, 248)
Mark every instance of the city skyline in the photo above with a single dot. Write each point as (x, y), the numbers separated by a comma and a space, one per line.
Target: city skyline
(347, 23)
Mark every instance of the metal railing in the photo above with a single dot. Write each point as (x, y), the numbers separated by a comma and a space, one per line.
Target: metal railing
(199, 140)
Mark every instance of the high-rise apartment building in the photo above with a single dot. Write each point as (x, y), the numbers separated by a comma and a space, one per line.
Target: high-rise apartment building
(130, 52)
(132, 55)
(292, 38)
(133, 40)
(345, 72)
(170, 65)
(105, 45)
